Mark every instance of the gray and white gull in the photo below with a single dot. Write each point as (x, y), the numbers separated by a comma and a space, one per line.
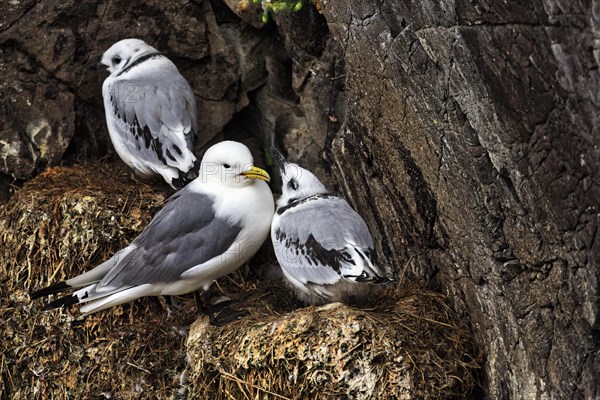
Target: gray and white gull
(323, 246)
(204, 231)
(150, 112)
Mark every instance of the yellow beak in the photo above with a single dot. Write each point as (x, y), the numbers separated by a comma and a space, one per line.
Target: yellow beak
(257, 173)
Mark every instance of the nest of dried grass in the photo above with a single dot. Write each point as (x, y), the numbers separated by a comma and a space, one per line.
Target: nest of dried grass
(412, 347)
(61, 223)
(69, 219)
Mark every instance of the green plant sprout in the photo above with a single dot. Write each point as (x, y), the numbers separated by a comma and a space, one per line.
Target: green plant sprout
(274, 6)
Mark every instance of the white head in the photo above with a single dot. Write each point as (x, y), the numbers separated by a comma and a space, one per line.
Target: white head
(297, 182)
(230, 163)
(124, 53)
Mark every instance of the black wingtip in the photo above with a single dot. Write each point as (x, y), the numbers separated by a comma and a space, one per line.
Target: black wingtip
(196, 168)
(178, 183)
(186, 177)
(56, 288)
(181, 181)
(62, 302)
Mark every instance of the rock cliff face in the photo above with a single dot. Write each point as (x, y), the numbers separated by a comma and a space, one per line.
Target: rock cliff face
(471, 144)
(52, 100)
(466, 134)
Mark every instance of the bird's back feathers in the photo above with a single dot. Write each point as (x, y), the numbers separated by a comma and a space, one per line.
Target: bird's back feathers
(151, 117)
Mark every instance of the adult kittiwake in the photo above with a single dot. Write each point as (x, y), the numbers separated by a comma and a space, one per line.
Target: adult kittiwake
(204, 231)
(323, 246)
(150, 112)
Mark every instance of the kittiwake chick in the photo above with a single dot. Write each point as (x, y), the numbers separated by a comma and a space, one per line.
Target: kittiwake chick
(324, 247)
(150, 112)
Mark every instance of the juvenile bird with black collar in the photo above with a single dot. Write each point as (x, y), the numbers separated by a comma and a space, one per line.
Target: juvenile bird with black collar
(150, 112)
(323, 246)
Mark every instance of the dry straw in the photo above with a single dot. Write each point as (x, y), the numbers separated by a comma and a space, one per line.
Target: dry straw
(69, 219)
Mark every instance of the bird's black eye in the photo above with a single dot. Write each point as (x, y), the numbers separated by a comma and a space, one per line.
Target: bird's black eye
(293, 184)
(116, 60)
(227, 165)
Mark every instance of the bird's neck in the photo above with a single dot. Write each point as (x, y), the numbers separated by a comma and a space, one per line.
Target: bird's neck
(137, 61)
(294, 202)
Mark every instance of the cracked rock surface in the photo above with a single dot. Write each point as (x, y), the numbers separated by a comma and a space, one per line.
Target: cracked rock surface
(474, 126)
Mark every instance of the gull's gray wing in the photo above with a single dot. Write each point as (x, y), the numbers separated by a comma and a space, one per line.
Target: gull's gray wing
(183, 234)
(321, 240)
(158, 108)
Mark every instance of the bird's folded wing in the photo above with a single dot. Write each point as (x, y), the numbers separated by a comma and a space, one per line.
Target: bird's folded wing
(184, 234)
(156, 108)
(319, 241)
(331, 221)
